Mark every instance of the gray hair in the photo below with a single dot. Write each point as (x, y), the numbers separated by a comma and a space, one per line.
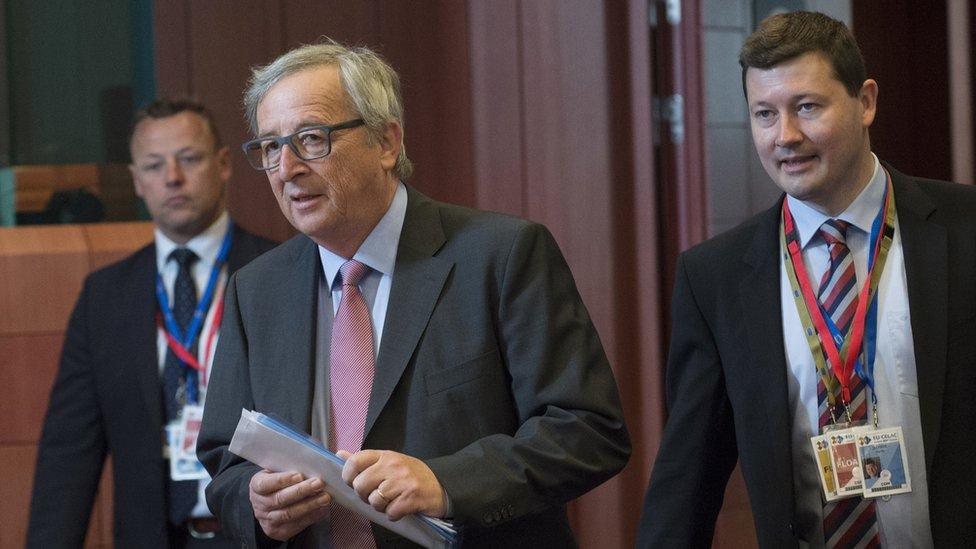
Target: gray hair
(371, 85)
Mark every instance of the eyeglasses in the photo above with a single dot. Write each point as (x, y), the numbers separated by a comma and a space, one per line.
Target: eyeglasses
(308, 143)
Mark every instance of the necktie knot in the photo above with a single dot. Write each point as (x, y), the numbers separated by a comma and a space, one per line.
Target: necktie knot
(834, 231)
(184, 257)
(352, 272)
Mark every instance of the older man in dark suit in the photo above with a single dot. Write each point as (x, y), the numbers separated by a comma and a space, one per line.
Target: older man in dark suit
(122, 377)
(851, 301)
(444, 350)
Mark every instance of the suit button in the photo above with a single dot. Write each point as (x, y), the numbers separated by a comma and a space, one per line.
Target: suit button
(487, 518)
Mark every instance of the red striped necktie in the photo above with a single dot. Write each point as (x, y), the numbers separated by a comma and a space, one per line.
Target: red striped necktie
(848, 522)
(351, 364)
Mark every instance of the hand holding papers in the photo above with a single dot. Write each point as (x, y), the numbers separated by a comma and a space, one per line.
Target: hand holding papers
(278, 447)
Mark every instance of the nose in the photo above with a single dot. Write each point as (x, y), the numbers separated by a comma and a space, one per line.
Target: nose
(174, 174)
(789, 132)
(291, 165)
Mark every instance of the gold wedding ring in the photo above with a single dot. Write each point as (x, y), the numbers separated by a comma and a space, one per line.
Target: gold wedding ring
(386, 499)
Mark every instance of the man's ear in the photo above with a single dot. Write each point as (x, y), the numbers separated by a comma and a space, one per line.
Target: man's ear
(222, 157)
(868, 97)
(391, 142)
(135, 179)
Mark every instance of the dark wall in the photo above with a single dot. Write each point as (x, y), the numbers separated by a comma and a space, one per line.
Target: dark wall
(905, 47)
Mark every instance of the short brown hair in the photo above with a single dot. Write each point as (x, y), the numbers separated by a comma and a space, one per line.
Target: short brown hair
(786, 36)
(164, 108)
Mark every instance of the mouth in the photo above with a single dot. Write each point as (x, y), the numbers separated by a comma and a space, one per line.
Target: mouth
(177, 201)
(303, 201)
(797, 163)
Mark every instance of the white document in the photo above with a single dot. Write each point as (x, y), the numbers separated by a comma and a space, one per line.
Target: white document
(278, 447)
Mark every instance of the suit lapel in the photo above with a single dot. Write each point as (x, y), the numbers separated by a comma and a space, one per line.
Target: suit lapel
(759, 297)
(292, 331)
(417, 282)
(140, 346)
(926, 261)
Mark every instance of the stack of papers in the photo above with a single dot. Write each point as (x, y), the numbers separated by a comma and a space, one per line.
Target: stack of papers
(279, 447)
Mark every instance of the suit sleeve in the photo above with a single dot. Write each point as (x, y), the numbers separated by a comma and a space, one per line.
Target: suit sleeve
(571, 434)
(72, 448)
(698, 449)
(229, 392)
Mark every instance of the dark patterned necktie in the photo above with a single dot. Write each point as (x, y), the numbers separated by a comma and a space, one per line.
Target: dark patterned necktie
(177, 376)
(848, 522)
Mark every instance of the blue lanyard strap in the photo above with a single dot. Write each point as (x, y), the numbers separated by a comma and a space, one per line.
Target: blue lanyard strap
(196, 324)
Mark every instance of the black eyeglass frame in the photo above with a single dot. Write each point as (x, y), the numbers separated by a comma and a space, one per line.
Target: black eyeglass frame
(287, 140)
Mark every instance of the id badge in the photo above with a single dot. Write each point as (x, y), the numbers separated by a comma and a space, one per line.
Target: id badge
(884, 462)
(825, 468)
(845, 461)
(182, 438)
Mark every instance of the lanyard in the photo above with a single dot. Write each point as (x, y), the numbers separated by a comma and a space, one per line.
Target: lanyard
(183, 353)
(177, 340)
(823, 336)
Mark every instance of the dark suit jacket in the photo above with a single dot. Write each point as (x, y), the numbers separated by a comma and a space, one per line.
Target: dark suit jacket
(489, 370)
(107, 399)
(727, 386)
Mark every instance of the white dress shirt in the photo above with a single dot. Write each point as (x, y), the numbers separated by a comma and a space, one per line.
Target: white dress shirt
(903, 518)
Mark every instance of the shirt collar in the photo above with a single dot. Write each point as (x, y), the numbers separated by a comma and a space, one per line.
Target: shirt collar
(379, 249)
(206, 244)
(860, 213)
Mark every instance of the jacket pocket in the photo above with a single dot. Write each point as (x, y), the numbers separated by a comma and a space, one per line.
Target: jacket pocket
(443, 379)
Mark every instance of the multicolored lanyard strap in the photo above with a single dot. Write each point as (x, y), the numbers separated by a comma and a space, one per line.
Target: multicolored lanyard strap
(181, 343)
(843, 355)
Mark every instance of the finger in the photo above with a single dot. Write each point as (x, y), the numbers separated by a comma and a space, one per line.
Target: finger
(344, 455)
(357, 463)
(291, 495)
(378, 500)
(370, 479)
(400, 508)
(278, 527)
(265, 482)
(299, 512)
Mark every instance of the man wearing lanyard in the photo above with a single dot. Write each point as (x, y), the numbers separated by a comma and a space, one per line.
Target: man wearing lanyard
(833, 329)
(134, 367)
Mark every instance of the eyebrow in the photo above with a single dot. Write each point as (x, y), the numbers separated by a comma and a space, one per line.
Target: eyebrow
(304, 124)
(160, 156)
(795, 98)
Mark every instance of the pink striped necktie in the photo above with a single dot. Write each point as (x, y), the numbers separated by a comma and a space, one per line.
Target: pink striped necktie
(848, 522)
(351, 380)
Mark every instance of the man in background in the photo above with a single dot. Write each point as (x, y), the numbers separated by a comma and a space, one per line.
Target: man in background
(445, 351)
(138, 349)
(855, 254)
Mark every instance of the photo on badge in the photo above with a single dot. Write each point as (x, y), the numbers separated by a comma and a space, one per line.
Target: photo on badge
(884, 462)
(845, 460)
